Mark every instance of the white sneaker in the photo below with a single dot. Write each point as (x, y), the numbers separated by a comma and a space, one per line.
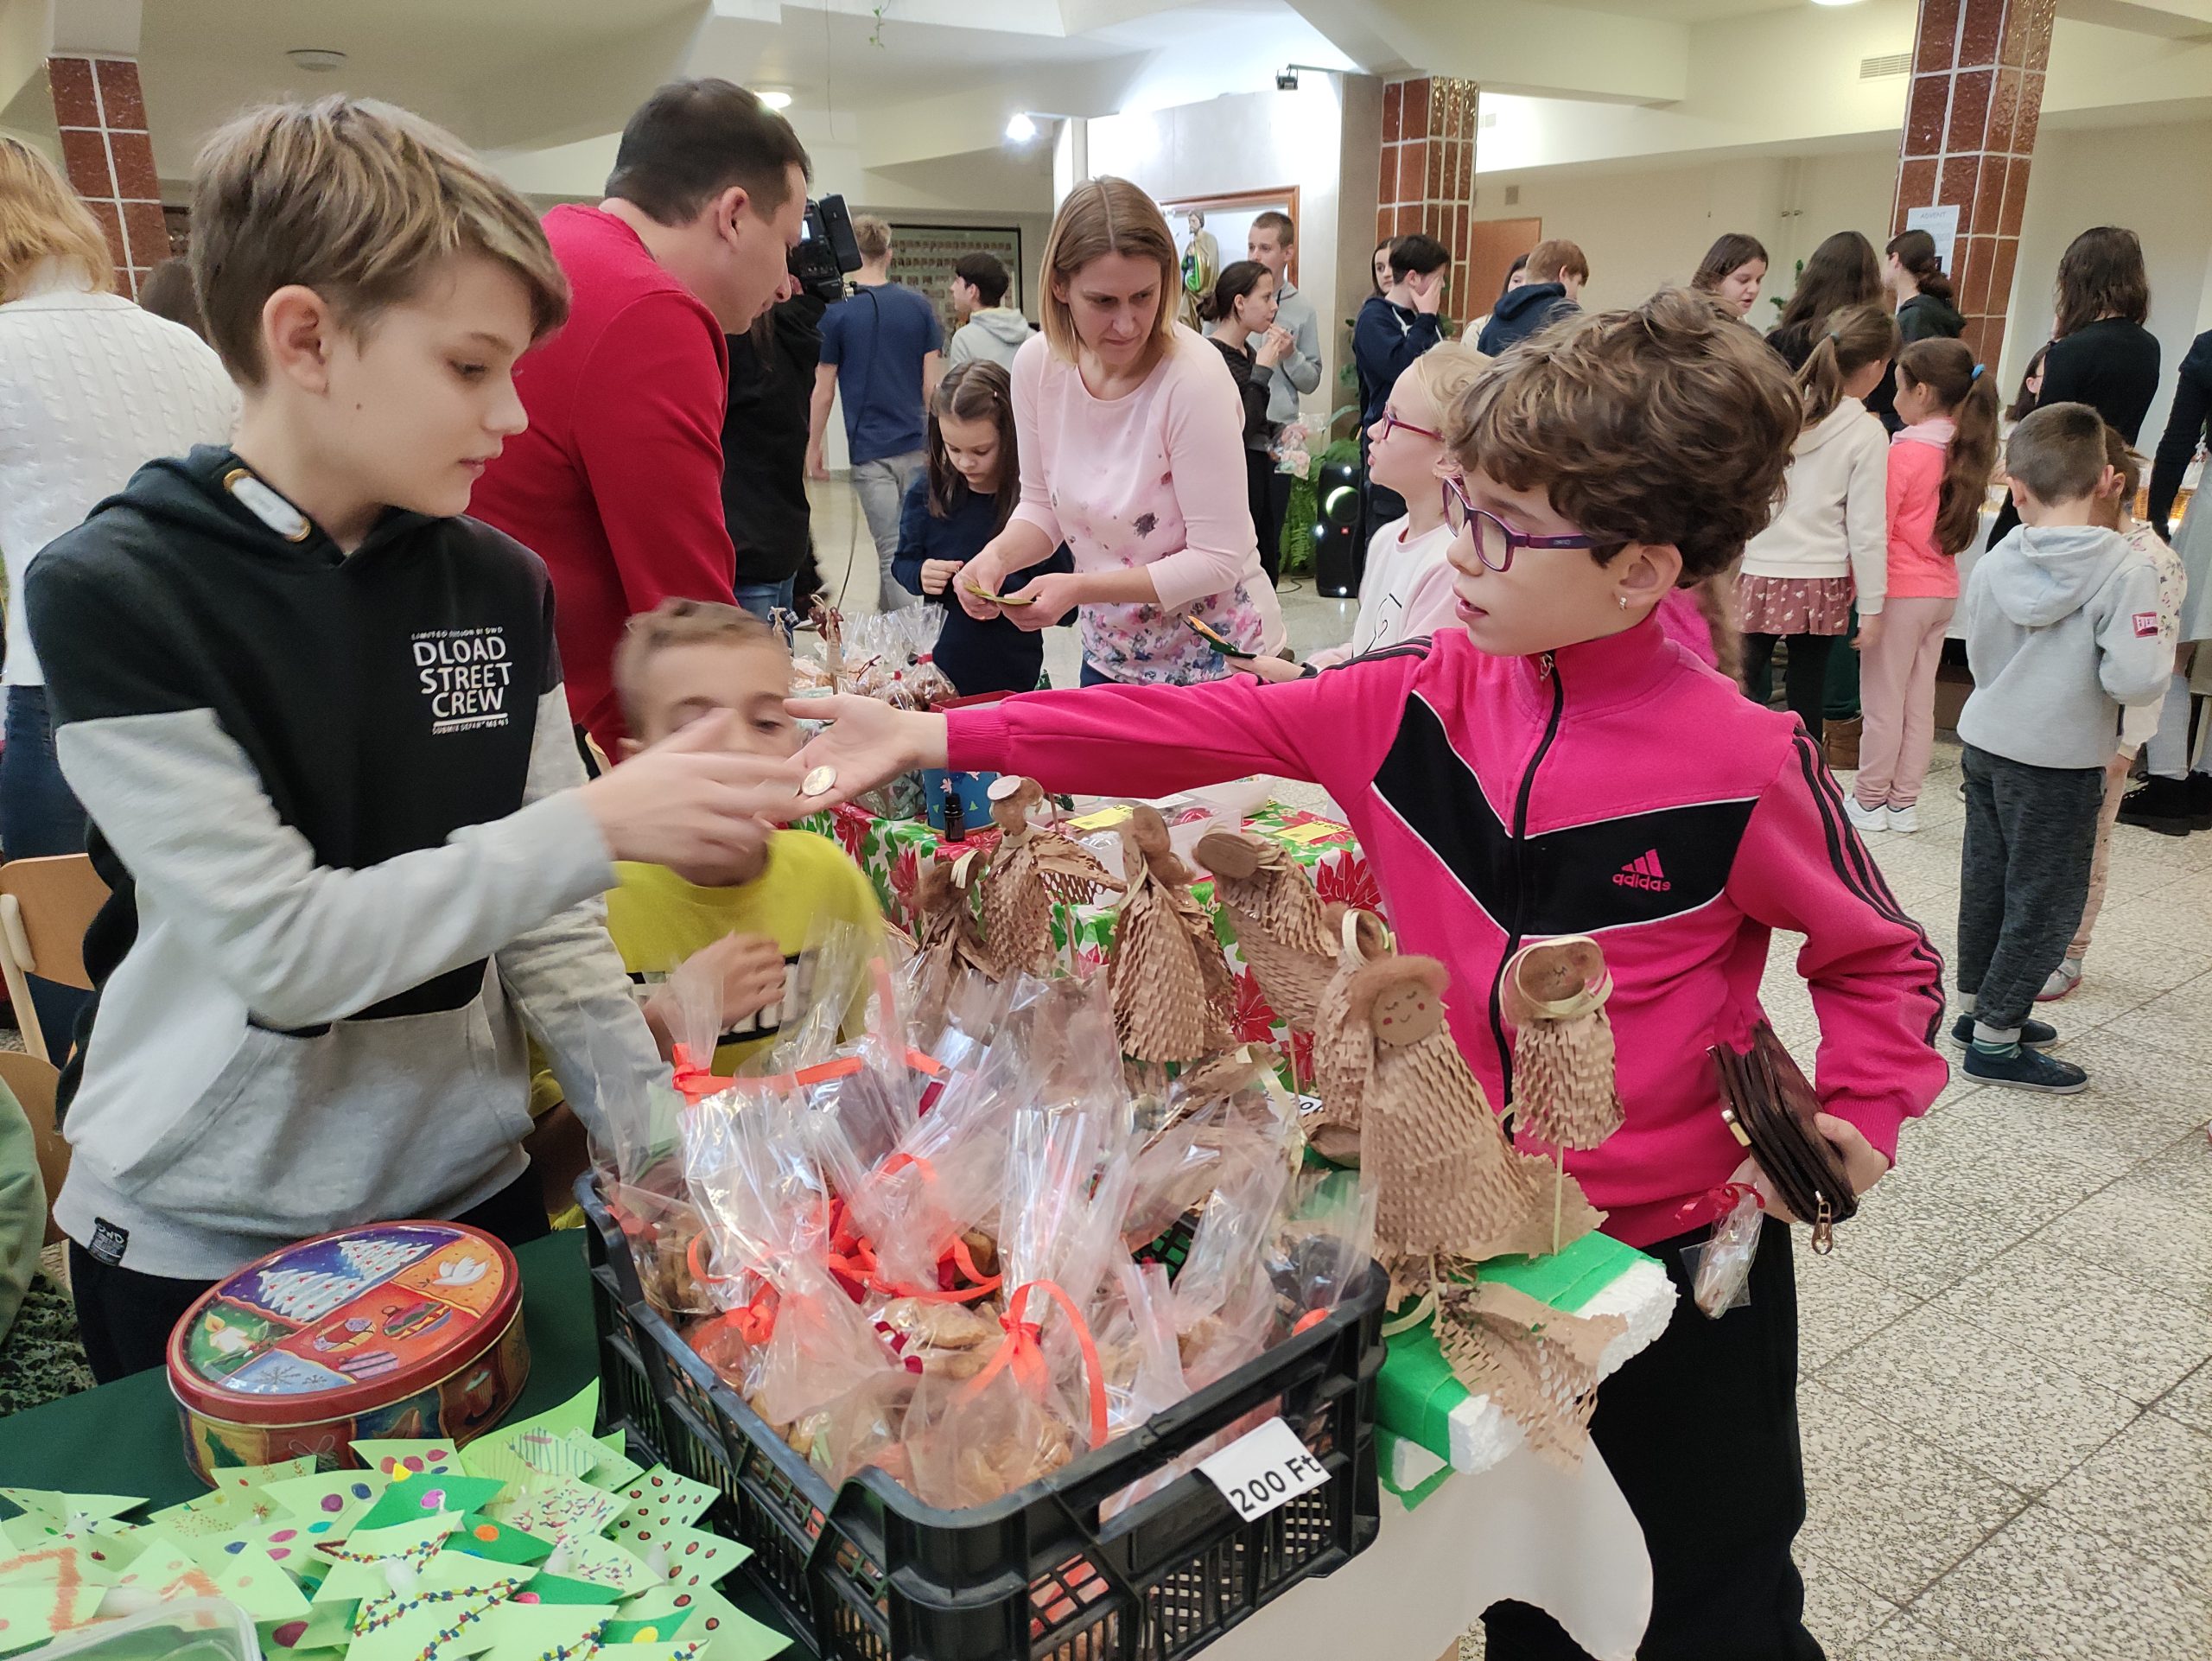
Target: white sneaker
(1865, 820)
(1905, 820)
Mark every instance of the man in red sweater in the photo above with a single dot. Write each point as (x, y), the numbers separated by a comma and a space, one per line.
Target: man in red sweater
(617, 484)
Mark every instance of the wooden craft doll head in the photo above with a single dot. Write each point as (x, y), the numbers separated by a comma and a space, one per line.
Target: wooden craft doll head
(1400, 999)
(1144, 840)
(1550, 978)
(1011, 800)
(1232, 853)
(1359, 931)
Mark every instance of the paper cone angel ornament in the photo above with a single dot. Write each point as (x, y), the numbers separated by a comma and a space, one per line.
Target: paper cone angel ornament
(1554, 999)
(1539, 1363)
(1171, 984)
(1342, 1055)
(1553, 996)
(1282, 927)
(947, 938)
(1030, 870)
(1449, 1185)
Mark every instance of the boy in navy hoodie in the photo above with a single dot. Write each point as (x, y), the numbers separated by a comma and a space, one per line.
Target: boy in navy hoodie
(316, 718)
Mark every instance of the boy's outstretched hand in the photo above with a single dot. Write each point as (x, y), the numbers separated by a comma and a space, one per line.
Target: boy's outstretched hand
(691, 800)
(1864, 1165)
(868, 743)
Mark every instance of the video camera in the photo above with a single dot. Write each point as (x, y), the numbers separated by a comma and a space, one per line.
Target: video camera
(826, 252)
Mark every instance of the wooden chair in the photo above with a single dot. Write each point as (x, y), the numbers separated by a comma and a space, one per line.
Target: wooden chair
(32, 1082)
(46, 905)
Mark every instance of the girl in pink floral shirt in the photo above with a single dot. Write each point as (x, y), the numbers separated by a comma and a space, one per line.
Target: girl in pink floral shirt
(1131, 436)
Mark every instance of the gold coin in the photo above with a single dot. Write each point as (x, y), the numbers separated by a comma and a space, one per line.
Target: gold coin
(819, 781)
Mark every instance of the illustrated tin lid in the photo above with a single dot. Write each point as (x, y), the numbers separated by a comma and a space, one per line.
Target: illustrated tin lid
(344, 1323)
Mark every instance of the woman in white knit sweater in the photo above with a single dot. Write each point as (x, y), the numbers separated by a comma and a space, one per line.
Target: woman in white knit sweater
(1829, 539)
(91, 389)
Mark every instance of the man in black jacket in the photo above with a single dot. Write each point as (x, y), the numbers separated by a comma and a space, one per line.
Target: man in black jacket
(764, 448)
(1557, 270)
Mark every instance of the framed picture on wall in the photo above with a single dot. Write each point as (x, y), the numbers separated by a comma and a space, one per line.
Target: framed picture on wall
(1227, 225)
(922, 256)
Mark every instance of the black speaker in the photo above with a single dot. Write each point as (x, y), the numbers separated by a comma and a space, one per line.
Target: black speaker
(1339, 554)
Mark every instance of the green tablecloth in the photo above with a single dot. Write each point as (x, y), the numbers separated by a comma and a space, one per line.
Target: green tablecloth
(126, 1437)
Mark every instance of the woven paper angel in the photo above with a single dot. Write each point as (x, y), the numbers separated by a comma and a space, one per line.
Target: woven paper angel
(1342, 1055)
(947, 940)
(1540, 1364)
(1171, 984)
(1030, 870)
(1555, 997)
(1282, 927)
(1450, 1186)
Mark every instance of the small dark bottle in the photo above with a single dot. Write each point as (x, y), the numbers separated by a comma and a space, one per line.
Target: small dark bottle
(955, 816)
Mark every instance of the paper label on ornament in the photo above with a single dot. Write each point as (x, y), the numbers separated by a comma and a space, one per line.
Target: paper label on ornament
(1264, 1469)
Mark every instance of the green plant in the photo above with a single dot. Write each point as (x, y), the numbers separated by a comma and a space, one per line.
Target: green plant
(875, 34)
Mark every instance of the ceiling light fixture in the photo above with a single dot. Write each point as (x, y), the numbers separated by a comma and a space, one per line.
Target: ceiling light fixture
(1020, 128)
(776, 98)
(1836, 3)
(316, 60)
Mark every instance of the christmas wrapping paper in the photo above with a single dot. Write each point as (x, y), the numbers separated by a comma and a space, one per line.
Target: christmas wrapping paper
(1420, 1401)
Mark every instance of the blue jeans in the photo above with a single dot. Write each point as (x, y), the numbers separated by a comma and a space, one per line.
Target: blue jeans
(39, 817)
(1092, 678)
(763, 599)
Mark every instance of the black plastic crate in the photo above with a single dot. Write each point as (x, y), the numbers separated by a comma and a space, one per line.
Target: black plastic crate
(868, 1573)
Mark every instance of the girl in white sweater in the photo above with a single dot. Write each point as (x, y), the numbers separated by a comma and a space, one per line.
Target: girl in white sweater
(1829, 537)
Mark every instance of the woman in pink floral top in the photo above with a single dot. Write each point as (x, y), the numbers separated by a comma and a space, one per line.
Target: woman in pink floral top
(1131, 436)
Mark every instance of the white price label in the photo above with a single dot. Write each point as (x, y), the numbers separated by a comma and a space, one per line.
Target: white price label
(1267, 1468)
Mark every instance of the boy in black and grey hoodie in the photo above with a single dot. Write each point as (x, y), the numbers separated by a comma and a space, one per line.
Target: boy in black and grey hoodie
(2062, 628)
(317, 721)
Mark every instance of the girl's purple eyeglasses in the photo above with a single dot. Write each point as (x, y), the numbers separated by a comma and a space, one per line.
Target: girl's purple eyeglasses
(1495, 542)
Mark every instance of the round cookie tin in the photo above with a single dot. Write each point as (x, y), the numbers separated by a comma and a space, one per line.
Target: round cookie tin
(392, 1331)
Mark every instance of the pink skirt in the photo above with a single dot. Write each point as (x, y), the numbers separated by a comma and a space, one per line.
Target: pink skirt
(1793, 605)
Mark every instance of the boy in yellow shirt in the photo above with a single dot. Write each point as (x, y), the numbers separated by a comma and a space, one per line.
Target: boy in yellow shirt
(749, 915)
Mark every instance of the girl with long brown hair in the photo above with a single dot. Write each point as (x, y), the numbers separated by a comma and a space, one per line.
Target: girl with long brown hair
(1731, 272)
(960, 500)
(1841, 272)
(1938, 475)
(2101, 353)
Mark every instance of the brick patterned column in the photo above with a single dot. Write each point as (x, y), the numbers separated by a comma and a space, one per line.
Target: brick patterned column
(1969, 134)
(1427, 181)
(110, 158)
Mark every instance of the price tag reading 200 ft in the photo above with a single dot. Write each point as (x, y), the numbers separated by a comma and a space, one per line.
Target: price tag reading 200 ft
(1267, 1468)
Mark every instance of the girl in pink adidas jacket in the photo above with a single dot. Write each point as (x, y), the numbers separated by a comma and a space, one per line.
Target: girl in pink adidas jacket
(1562, 767)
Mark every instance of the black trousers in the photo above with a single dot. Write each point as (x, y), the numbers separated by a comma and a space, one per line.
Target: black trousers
(1260, 475)
(125, 1316)
(1804, 677)
(1701, 1432)
(2023, 877)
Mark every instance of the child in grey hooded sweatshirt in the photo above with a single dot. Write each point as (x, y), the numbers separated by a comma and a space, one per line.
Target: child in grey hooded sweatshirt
(2062, 628)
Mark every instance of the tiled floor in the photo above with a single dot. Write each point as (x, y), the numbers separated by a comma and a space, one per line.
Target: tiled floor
(2008, 1362)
